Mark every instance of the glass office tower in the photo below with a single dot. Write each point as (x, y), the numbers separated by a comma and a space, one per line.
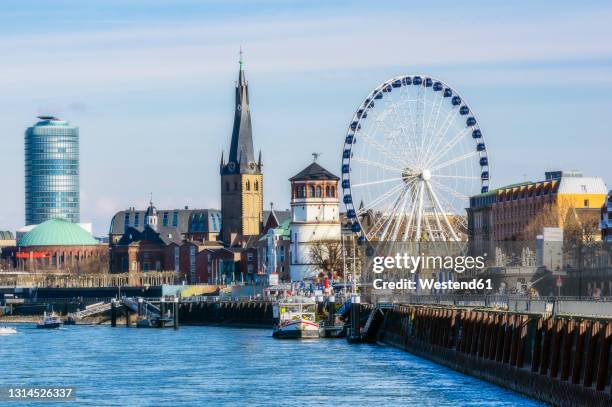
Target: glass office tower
(51, 171)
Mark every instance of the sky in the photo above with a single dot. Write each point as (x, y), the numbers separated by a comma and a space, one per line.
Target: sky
(151, 85)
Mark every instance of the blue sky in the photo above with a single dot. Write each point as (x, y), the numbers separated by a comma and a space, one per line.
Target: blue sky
(150, 84)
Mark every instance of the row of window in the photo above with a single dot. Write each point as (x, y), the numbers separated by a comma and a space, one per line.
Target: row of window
(247, 186)
(315, 192)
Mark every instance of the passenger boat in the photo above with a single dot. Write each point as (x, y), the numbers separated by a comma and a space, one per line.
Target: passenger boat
(7, 330)
(296, 319)
(49, 321)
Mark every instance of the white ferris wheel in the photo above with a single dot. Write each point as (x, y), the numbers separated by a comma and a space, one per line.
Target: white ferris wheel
(413, 155)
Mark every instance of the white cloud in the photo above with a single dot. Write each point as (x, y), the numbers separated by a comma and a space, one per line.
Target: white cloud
(181, 53)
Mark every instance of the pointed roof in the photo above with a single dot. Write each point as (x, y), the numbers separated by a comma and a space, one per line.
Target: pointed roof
(241, 155)
(314, 172)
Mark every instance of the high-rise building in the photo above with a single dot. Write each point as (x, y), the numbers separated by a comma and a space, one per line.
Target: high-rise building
(241, 176)
(51, 171)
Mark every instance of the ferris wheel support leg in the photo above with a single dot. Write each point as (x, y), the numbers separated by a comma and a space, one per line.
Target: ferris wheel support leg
(420, 211)
(437, 203)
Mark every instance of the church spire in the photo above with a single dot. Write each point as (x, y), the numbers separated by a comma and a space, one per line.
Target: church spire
(241, 156)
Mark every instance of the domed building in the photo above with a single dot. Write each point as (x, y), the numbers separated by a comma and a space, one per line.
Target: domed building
(59, 245)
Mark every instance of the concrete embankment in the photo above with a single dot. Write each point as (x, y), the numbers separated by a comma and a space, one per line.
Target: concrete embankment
(563, 361)
(231, 313)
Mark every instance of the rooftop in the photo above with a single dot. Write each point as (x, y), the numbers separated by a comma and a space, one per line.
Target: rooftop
(314, 172)
(57, 232)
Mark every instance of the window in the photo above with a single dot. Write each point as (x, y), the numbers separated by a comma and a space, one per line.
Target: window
(318, 191)
(227, 186)
(333, 192)
(249, 256)
(281, 253)
(301, 191)
(165, 219)
(256, 185)
(136, 219)
(174, 219)
(235, 186)
(126, 221)
(327, 192)
(248, 185)
(586, 203)
(312, 191)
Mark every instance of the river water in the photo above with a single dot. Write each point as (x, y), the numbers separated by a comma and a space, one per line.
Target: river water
(230, 366)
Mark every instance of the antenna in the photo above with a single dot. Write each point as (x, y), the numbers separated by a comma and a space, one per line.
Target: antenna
(315, 156)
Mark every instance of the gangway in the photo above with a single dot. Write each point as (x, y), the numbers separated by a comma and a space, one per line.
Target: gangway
(93, 309)
(147, 308)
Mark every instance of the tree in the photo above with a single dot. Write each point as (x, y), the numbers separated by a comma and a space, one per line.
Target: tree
(326, 255)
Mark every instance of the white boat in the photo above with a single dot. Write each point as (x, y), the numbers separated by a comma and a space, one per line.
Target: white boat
(49, 321)
(296, 319)
(7, 330)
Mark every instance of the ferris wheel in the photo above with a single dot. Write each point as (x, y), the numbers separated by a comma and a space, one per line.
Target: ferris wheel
(413, 155)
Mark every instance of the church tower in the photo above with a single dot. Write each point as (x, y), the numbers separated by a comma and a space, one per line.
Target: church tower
(241, 175)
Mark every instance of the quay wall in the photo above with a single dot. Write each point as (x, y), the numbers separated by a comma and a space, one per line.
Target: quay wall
(563, 361)
(230, 313)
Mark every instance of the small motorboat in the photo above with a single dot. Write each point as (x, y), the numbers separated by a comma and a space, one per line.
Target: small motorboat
(49, 321)
(296, 319)
(7, 330)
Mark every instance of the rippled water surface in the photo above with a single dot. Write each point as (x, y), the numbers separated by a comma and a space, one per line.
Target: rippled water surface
(230, 366)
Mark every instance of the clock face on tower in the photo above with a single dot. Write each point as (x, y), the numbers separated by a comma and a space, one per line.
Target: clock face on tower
(252, 165)
(231, 166)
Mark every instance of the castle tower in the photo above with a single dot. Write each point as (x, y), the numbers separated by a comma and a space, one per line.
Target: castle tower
(315, 217)
(241, 176)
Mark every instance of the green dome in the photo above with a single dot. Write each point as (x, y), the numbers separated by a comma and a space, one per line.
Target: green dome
(57, 232)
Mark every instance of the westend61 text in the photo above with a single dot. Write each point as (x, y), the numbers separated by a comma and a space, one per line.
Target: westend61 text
(430, 283)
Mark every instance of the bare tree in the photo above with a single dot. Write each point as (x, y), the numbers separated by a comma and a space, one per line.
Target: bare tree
(326, 255)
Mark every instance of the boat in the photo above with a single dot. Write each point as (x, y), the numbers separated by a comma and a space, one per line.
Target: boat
(296, 319)
(49, 321)
(7, 330)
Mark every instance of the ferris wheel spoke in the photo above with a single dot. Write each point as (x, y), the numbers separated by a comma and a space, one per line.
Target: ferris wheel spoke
(376, 164)
(401, 216)
(458, 137)
(391, 216)
(442, 211)
(455, 160)
(406, 132)
(437, 217)
(451, 191)
(441, 133)
(424, 100)
(430, 126)
(382, 218)
(413, 207)
(455, 176)
(382, 181)
(381, 148)
(414, 126)
(382, 198)
(419, 212)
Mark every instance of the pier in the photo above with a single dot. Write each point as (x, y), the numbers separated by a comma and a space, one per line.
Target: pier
(560, 359)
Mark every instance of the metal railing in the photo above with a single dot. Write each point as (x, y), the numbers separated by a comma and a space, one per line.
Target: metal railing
(591, 307)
